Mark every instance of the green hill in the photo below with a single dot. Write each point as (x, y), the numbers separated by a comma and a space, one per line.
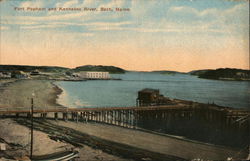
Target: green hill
(226, 74)
(198, 72)
(167, 72)
(100, 68)
(27, 68)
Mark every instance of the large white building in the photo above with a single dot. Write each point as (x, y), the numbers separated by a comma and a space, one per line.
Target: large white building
(94, 75)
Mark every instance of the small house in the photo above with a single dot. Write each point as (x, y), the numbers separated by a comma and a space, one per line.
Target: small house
(152, 97)
(148, 96)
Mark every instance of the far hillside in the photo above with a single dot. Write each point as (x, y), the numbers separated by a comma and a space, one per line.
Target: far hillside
(198, 72)
(100, 68)
(27, 68)
(225, 74)
(167, 72)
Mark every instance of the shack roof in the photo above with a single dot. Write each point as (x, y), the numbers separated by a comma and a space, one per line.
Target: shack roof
(149, 90)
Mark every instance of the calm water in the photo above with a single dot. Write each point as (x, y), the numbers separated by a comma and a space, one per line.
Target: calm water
(110, 93)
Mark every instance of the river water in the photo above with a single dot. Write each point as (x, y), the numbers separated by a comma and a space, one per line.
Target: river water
(123, 93)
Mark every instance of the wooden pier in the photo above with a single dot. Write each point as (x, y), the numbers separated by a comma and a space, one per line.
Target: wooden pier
(131, 116)
(181, 119)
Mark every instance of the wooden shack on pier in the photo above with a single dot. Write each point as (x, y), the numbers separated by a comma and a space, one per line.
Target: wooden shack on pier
(151, 97)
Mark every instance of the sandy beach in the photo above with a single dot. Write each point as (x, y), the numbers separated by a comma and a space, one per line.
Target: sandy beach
(17, 95)
(94, 141)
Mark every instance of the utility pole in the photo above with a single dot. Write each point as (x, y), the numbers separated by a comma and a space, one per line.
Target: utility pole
(31, 138)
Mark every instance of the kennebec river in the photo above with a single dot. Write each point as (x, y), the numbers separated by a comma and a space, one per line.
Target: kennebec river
(123, 93)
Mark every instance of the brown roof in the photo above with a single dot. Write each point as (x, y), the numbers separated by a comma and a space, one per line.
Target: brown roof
(149, 90)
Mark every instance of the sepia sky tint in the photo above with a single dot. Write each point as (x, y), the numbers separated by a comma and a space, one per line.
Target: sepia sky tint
(179, 35)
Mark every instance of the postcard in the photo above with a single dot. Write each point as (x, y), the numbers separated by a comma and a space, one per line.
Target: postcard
(124, 80)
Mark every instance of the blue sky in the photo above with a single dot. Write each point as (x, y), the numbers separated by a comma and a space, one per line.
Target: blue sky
(154, 35)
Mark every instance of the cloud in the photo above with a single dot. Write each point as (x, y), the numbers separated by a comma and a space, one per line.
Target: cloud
(142, 8)
(109, 23)
(194, 12)
(229, 20)
(17, 22)
(93, 26)
(184, 9)
(38, 3)
(39, 26)
(240, 9)
(67, 4)
(113, 4)
(68, 16)
(164, 28)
